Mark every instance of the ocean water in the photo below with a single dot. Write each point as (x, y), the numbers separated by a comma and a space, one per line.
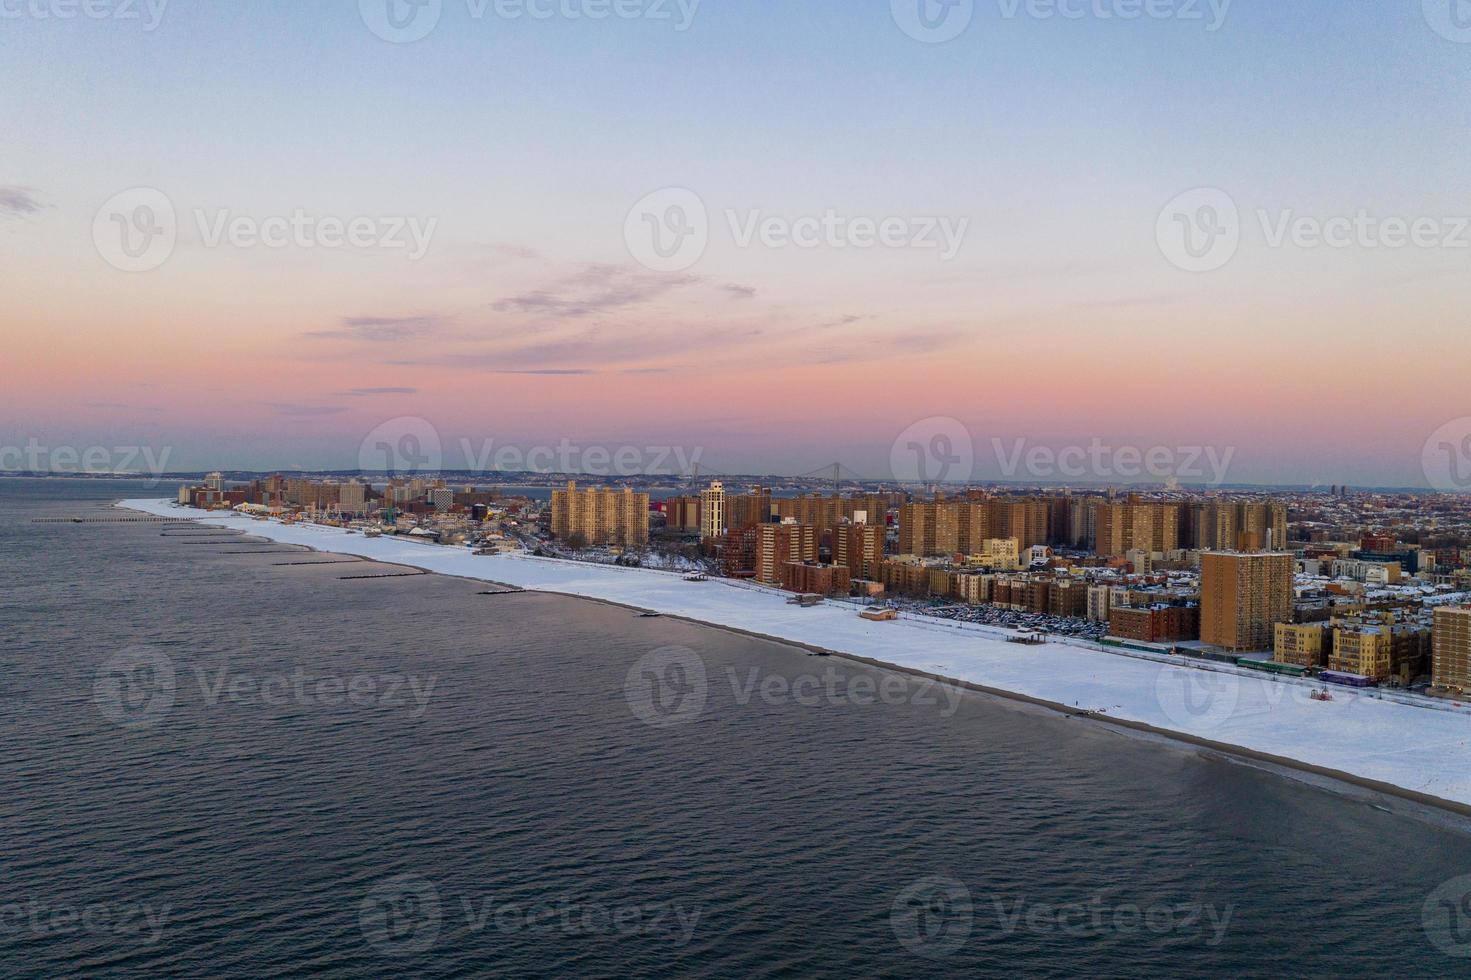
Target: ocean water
(215, 761)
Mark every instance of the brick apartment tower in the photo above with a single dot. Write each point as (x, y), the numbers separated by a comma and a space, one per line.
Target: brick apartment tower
(1451, 660)
(1243, 597)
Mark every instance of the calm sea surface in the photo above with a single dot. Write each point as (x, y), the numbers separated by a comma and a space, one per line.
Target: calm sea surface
(214, 763)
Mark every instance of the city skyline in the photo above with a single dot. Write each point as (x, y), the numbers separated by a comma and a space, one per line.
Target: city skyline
(1028, 291)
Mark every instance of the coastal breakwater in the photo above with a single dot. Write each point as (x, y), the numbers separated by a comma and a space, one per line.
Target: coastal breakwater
(1399, 750)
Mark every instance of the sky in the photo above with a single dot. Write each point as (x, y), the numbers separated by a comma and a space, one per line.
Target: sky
(772, 234)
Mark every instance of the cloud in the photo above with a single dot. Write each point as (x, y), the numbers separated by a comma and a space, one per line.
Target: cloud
(19, 201)
(738, 291)
(553, 372)
(381, 329)
(305, 411)
(370, 392)
(593, 289)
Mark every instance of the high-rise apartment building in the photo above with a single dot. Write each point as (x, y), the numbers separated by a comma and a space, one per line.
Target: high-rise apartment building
(352, 497)
(860, 548)
(778, 544)
(712, 512)
(1133, 526)
(601, 516)
(1243, 597)
(1451, 660)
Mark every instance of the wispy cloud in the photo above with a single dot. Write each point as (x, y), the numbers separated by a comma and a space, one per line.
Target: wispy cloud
(382, 329)
(738, 291)
(371, 392)
(593, 289)
(305, 411)
(19, 201)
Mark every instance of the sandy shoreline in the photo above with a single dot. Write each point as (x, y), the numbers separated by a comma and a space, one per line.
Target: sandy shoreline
(1367, 784)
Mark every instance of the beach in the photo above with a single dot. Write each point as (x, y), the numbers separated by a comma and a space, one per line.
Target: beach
(1418, 754)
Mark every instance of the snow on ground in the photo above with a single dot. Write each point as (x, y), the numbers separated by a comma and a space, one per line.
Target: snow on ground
(1416, 748)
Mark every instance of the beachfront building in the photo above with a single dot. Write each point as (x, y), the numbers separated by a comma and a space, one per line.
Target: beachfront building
(1302, 644)
(1243, 597)
(1452, 648)
(600, 516)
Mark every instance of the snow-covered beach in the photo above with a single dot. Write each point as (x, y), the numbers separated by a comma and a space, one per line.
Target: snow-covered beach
(1418, 752)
